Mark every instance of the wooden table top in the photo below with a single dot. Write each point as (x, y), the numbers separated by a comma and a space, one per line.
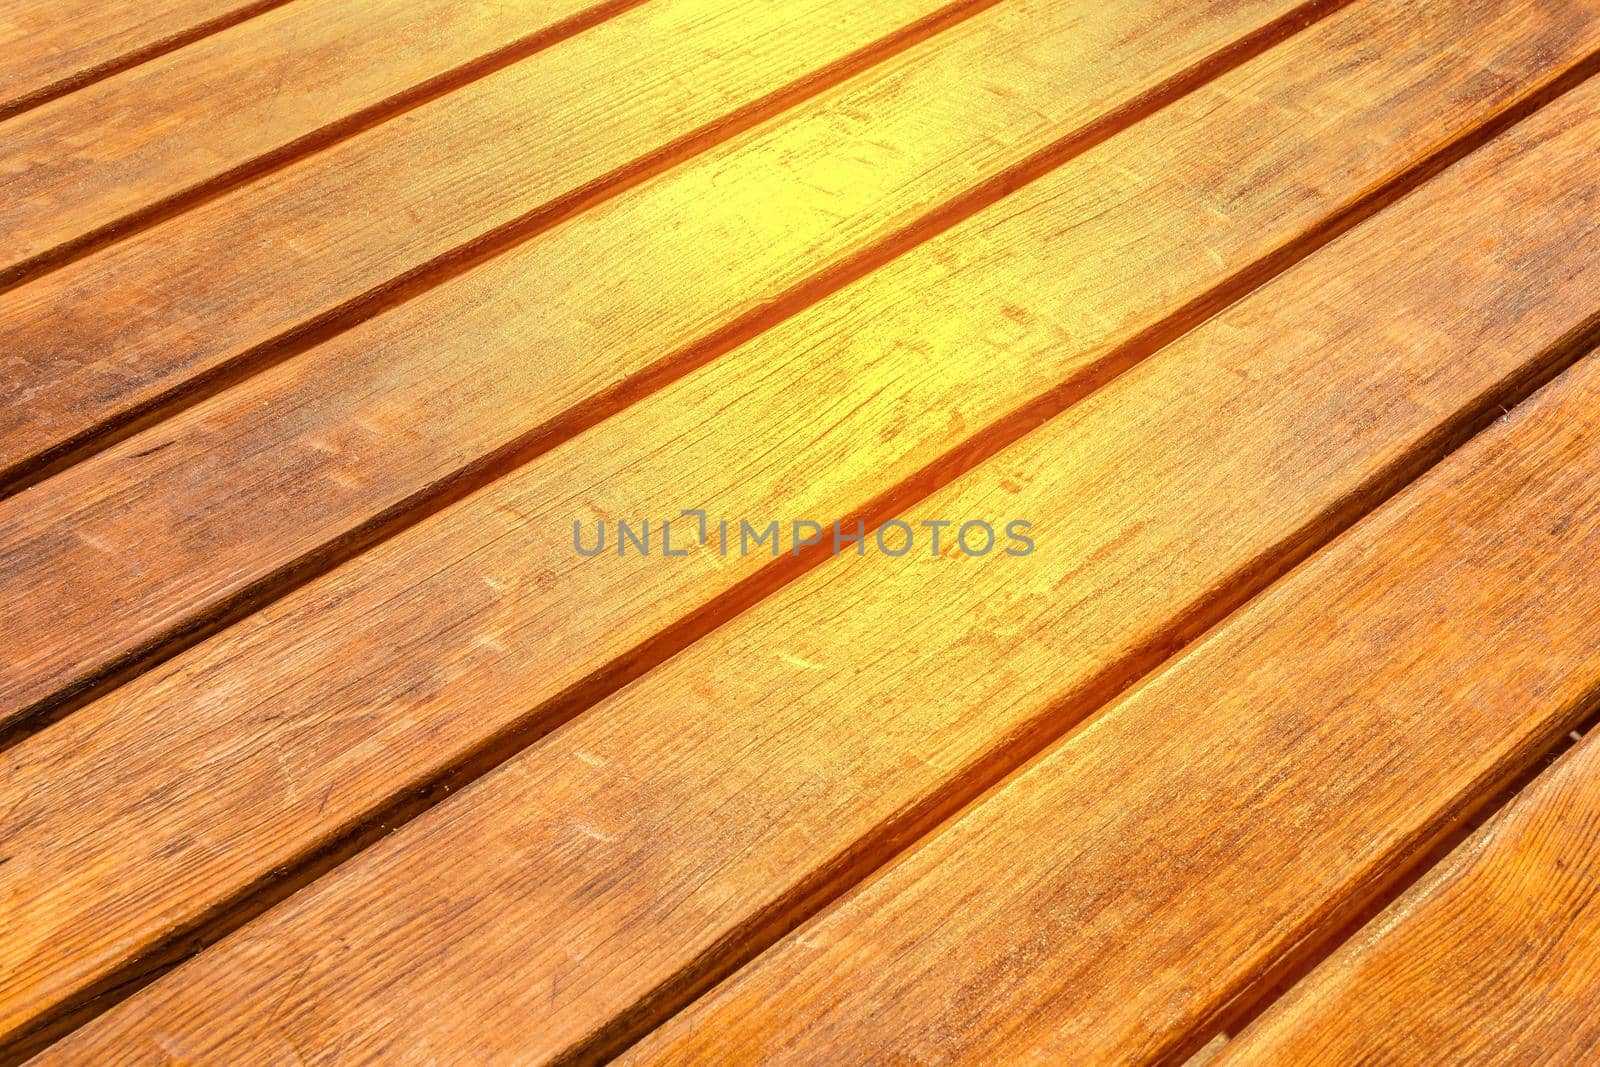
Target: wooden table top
(799, 531)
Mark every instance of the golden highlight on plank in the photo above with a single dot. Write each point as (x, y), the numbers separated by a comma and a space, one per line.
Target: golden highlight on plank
(247, 272)
(323, 326)
(592, 615)
(521, 352)
(722, 796)
(381, 418)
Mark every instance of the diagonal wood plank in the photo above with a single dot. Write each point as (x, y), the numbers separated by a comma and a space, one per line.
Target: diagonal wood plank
(1491, 959)
(1164, 859)
(112, 338)
(118, 152)
(51, 48)
(598, 879)
(236, 497)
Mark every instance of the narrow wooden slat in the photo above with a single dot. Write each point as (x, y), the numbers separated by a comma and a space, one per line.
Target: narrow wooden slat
(263, 91)
(598, 879)
(1491, 959)
(46, 49)
(160, 315)
(1167, 857)
(172, 527)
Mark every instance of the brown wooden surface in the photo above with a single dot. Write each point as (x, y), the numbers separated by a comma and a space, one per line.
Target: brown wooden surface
(322, 324)
(1110, 903)
(716, 797)
(1491, 959)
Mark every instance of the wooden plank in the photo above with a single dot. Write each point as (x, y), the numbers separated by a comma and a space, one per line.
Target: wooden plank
(1491, 959)
(301, 463)
(118, 152)
(1227, 815)
(51, 48)
(177, 308)
(602, 876)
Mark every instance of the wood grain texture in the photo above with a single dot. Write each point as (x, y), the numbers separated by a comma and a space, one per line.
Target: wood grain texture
(171, 526)
(112, 336)
(608, 872)
(1490, 959)
(47, 49)
(92, 162)
(1166, 856)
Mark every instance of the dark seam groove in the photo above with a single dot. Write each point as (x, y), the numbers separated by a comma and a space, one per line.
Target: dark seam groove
(761, 930)
(231, 913)
(1008, 759)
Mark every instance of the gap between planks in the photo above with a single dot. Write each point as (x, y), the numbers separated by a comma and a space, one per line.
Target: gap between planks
(601, 406)
(833, 986)
(1508, 986)
(1485, 405)
(1011, 761)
